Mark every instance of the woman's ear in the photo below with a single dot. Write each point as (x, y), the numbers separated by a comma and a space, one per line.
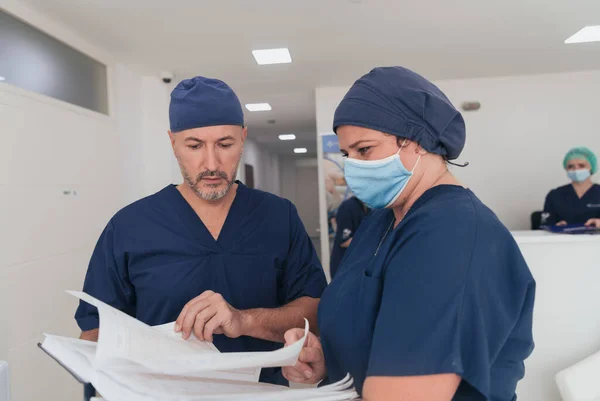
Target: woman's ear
(419, 150)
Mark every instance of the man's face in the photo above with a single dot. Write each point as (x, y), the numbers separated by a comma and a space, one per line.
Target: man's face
(209, 157)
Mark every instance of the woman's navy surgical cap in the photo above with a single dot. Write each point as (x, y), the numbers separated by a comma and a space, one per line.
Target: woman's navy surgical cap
(397, 101)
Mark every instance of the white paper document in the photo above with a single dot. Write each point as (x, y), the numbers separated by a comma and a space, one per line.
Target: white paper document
(135, 362)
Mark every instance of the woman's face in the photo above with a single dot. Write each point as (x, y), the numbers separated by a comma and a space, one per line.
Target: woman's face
(578, 164)
(367, 144)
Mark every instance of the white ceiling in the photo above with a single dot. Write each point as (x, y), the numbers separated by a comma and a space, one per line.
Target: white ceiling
(332, 42)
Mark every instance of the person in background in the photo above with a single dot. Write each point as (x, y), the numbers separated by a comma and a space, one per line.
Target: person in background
(211, 254)
(434, 301)
(579, 201)
(333, 200)
(349, 216)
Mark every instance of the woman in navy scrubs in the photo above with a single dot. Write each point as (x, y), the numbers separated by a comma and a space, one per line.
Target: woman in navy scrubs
(433, 300)
(578, 202)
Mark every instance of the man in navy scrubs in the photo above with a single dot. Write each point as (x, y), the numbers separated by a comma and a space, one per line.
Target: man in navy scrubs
(349, 216)
(211, 253)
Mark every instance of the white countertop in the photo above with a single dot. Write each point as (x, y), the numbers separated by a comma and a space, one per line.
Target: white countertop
(544, 237)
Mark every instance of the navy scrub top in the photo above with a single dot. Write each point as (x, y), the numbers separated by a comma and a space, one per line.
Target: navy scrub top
(349, 216)
(447, 291)
(156, 255)
(563, 204)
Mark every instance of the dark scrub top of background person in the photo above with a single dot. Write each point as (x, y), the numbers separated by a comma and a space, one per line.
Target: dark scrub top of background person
(156, 255)
(563, 204)
(446, 291)
(349, 216)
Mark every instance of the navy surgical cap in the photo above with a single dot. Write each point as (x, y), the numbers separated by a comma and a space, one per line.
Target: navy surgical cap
(203, 102)
(397, 101)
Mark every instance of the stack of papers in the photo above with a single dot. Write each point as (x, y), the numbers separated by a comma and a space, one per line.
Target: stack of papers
(135, 362)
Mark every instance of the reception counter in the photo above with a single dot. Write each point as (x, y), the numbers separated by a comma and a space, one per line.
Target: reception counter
(566, 324)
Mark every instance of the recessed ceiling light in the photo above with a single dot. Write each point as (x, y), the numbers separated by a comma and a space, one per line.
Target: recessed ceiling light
(2, 79)
(272, 56)
(300, 150)
(258, 106)
(287, 137)
(587, 34)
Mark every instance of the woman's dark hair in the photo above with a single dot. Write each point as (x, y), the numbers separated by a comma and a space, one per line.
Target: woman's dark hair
(399, 141)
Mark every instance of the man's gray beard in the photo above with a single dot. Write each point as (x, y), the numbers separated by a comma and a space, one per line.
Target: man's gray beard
(215, 195)
(210, 196)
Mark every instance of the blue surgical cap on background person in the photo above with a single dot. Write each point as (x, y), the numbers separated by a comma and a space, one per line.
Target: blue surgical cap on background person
(203, 102)
(582, 153)
(397, 101)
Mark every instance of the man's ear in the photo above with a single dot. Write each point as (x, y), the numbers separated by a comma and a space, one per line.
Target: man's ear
(244, 134)
(172, 139)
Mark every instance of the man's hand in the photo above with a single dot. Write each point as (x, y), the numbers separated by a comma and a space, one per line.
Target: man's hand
(209, 314)
(593, 223)
(561, 223)
(310, 368)
(89, 335)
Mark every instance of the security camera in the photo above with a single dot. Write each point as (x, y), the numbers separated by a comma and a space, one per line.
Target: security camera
(167, 77)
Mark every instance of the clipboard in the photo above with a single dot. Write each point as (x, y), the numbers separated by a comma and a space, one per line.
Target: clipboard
(572, 229)
(88, 389)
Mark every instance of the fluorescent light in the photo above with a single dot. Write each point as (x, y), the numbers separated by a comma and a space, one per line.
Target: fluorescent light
(300, 150)
(287, 137)
(2, 79)
(258, 106)
(272, 56)
(587, 34)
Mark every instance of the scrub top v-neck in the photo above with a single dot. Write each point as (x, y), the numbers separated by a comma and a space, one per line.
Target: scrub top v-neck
(198, 229)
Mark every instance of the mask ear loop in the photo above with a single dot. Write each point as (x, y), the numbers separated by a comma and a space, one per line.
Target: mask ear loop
(416, 164)
(411, 172)
(418, 159)
(401, 147)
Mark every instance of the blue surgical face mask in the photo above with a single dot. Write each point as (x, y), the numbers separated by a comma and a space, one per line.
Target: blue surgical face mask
(579, 175)
(378, 183)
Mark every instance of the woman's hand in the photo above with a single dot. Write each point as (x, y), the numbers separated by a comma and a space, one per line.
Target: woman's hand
(561, 223)
(310, 368)
(593, 223)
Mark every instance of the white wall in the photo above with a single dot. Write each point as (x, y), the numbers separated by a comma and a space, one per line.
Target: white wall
(142, 115)
(60, 181)
(64, 171)
(516, 141)
(47, 235)
(160, 165)
(266, 167)
(566, 323)
(128, 112)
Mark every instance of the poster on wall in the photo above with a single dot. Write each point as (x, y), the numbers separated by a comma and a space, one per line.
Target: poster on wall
(336, 189)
